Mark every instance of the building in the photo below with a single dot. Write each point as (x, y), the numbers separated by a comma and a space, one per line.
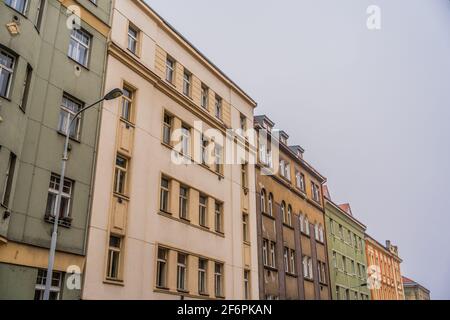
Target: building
(292, 250)
(384, 275)
(414, 290)
(161, 229)
(51, 65)
(346, 251)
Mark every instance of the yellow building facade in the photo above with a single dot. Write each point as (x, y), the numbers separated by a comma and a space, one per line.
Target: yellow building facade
(168, 213)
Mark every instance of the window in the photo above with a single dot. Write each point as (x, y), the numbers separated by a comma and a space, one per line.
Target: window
(341, 232)
(306, 226)
(9, 178)
(264, 250)
(114, 256)
(335, 260)
(283, 212)
(305, 267)
(18, 5)
(218, 217)
(338, 293)
(289, 215)
(26, 87)
(40, 14)
(167, 128)
(344, 264)
(292, 261)
(185, 140)
(286, 259)
(202, 276)
(315, 192)
(218, 279)
(170, 69)
(184, 202)
(127, 104)
(164, 200)
(243, 122)
(321, 239)
(218, 107)
(187, 76)
(273, 260)
(69, 108)
(161, 268)
(7, 62)
(218, 158)
(202, 210)
(244, 182)
(302, 223)
(204, 143)
(310, 269)
(323, 272)
(181, 272)
(246, 284)
(79, 47)
(120, 176)
(319, 271)
(55, 287)
(245, 228)
(352, 263)
(133, 39)
(263, 201)
(300, 180)
(316, 231)
(66, 196)
(270, 204)
(204, 99)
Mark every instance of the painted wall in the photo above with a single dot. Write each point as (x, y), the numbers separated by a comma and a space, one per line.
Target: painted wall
(146, 227)
(32, 132)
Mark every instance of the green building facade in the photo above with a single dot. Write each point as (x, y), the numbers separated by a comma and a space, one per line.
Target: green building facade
(52, 63)
(346, 252)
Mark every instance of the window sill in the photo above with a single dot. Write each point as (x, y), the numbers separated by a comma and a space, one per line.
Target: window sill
(162, 288)
(78, 64)
(220, 297)
(183, 291)
(288, 226)
(188, 222)
(308, 279)
(77, 140)
(121, 196)
(293, 275)
(268, 215)
(63, 222)
(6, 98)
(305, 234)
(204, 294)
(23, 14)
(248, 243)
(270, 268)
(115, 282)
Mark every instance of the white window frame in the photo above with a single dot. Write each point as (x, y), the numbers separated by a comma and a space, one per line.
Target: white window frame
(66, 115)
(133, 40)
(161, 268)
(67, 194)
(170, 70)
(182, 272)
(8, 70)
(184, 202)
(75, 45)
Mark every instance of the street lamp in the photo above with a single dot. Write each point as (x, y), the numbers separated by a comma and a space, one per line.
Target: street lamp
(113, 94)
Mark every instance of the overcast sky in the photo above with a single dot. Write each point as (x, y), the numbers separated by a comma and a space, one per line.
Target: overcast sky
(371, 107)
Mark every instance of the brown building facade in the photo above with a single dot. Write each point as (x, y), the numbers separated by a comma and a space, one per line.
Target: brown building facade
(383, 268)
(292, 254)
(414, 290)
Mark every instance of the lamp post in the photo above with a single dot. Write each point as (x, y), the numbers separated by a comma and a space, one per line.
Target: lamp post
(113, 94)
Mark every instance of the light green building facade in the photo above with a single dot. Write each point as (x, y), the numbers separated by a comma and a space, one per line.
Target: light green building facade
(48, 71)
(346, 252)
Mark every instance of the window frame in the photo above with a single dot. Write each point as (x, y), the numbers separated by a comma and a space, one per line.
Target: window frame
(135, 38)
(79, 43)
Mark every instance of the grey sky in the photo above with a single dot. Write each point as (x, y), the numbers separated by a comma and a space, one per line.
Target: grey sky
(371, 108)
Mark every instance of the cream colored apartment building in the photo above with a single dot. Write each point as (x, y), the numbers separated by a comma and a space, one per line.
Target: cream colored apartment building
(160, 229)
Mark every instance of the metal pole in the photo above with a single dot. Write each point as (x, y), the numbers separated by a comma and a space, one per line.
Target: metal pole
(51, 257)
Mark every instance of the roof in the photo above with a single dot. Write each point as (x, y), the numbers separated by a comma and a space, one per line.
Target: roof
(346, 208)
(168, 25)
(407, 282)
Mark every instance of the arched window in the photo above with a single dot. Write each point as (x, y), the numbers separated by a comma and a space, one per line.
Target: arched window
(263, 201)
(306, 226)
(283, 211)
(321, 233)
(316, 231)
(270, 204)
(289, 215)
